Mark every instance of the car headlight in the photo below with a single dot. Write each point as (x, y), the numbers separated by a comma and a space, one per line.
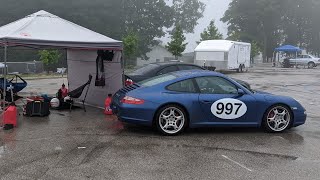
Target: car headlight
(305, 112)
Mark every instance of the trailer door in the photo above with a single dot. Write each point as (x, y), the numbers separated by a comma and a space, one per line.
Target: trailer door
(241, 54)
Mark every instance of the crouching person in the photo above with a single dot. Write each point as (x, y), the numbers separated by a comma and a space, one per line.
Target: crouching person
(62, 100)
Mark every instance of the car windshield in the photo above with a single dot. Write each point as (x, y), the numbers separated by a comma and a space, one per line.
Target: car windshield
(157, 80)
(145, 69)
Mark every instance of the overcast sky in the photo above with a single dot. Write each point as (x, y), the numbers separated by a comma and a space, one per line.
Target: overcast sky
(214, 10)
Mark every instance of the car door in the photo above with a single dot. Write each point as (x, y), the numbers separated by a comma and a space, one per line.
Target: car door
(296, 60)
(302, 60)
(222, 104)
(306, 59)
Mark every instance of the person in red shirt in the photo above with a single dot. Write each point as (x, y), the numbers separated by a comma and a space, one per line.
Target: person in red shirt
(63, 92)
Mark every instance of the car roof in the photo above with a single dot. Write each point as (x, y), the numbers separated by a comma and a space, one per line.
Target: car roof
(172, 63)
(195, 73)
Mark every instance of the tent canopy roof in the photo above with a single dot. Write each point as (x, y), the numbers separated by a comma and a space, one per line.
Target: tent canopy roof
(288, 48)
(45, 29)
(217, 45)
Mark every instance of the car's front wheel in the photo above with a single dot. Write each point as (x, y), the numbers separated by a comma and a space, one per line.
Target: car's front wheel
(171, 120)
(277, 118)
(311, 65)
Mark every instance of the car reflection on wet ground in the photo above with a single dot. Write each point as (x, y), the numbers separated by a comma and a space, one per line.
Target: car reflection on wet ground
(79, 145)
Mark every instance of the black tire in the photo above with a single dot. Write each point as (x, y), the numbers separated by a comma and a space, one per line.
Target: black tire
(240, 70)
(163, 111)
(244, 68)
(311, 65)
(288, 115)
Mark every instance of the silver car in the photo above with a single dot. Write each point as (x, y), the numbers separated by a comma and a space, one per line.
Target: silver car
(305, 60)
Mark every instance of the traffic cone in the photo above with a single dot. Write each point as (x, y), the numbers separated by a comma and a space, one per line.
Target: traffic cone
(107, 103)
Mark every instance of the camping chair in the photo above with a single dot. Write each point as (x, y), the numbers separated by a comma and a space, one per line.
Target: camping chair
(75, 94)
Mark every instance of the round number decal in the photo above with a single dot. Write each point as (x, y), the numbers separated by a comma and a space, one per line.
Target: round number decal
(228, 108)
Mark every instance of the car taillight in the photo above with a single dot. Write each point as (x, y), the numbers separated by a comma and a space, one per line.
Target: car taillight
(128, 82)
(131, 100)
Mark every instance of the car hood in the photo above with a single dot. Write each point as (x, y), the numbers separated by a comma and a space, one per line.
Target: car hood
(261, 92)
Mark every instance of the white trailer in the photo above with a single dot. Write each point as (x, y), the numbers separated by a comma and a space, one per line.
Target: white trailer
(223, 55)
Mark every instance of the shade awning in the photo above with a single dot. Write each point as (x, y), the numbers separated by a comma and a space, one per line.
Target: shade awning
(288, 48)
(45, 29)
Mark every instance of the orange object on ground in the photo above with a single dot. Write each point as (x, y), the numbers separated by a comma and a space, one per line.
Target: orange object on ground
(107, 103)
(10, 116)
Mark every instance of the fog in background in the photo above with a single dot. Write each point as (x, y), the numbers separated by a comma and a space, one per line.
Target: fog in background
(214, 10)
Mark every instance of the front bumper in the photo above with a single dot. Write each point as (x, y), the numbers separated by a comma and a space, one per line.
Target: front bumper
(300, 118)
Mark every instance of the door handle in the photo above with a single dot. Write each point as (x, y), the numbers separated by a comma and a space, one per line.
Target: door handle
(206, 102)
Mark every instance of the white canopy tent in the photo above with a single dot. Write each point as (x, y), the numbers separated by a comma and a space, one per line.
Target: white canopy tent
(45, 30)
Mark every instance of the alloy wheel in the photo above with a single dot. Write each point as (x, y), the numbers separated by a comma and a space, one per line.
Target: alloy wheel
(278, 118)
(171, 120)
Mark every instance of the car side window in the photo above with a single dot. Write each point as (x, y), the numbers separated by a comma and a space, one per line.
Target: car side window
(188, 67)
(216, 85)
(167, 70)
(183, 86)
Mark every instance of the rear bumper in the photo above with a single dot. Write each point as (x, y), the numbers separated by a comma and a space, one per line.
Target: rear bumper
(134, 114)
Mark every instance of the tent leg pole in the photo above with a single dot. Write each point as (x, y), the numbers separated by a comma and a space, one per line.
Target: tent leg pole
(123, 67)
(5, 75)
(296, 58)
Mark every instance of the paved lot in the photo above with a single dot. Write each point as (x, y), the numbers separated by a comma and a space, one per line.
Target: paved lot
(80, 145)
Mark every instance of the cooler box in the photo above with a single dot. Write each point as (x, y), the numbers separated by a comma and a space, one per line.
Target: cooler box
(37, 108)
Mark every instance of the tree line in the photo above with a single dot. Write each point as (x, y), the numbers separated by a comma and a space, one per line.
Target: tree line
(271, 23)
(267, 24)
(139, 23)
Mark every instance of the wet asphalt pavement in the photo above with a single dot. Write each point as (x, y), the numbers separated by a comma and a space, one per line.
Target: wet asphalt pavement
(79, 145)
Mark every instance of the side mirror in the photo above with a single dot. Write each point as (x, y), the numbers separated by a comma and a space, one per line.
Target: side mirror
(241, 92)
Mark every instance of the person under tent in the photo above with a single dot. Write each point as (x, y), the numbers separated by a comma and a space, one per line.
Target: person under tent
(62, 92)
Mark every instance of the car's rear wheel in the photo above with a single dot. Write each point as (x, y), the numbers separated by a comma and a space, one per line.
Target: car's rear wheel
(240, 69)
(311, 65)
(277, 118)
(171, 120)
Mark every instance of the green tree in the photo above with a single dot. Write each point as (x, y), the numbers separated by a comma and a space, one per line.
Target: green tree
(50, 58)
(150, 19)
(186, 13)
(255, 50)
(130, 43)
(261, 19)
(211, 33)
(271, 23)
(176, 46)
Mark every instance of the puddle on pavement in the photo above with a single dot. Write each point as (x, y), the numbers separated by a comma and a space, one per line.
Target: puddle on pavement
(114, 123)
(2, 150)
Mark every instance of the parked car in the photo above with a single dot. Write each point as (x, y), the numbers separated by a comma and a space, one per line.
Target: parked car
(177, 100)
(156, 69)
(305, 60)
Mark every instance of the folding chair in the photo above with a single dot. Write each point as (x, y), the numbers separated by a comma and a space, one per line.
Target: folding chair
(75, 94)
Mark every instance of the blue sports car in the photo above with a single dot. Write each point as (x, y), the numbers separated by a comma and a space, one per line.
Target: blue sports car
(197, 98)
